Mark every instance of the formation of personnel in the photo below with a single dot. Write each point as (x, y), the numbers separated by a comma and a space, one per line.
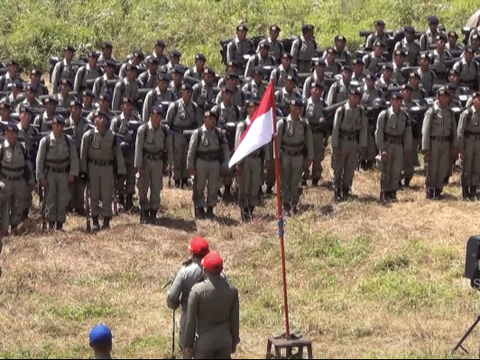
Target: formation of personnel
(112, 130)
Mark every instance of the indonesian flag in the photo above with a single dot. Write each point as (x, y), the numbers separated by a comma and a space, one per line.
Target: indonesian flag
(260, 130)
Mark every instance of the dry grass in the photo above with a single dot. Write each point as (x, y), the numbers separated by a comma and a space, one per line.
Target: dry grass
(364, 280)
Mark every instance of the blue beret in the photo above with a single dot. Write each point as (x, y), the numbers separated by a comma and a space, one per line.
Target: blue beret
(340, 38)
(233, 63)
(200, 56)
(93, 54)
(99, 113)
(153, 60)
(179, 70)
(88, 92)
(210, 113)
(139, 54)
(11, 126)
(387, 66)
(111, 63)
(252, 102)
(187, 87)
(371, 76)
(287, 55)
(36, 72)
(297, 102)
(307, 27)
(158, 110)
(469, 49)
(407, 87)
(175, 53)
(66, 82)
(319, 62)
(58, 119)
(107, 45)
(442, 91)
(100, 334)
(26, 109)
(258, 70)
(409, 29)
(242, 27)
(432, 19)
(275, 28)
(396, 96)
(76, 103)
(232, 75)
(32, 87)
(228, 89)
(476, 94)
(317, 84)
(17, 84)
(209, 71)
(69, 48)
(160, 42)
(127, 100)
(105, 96)
(379, 22)
(346, 67)
(355, 91)
(358, 61)
(164, 77)
(131, 67)
(451, 86)
(50, 99)
(400, 52)
(292, 78)
(5, 104)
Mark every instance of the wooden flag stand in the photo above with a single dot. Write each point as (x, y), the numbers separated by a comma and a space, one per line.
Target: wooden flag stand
(293, 343)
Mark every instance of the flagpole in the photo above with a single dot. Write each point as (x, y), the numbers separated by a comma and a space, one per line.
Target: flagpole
(280, 216)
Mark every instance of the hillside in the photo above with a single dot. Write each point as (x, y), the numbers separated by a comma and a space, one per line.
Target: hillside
(364, 280)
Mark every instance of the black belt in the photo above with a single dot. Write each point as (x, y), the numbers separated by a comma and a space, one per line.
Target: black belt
(11, 178)
(394, 139)
(57, 170)
(101, 162)
(292, 153)
(209, 156)
(153, 157)
(177, 129)
(440, 138)
(316, 130)
(472, 136)
(254, 155)
(300, 60)
(351, 136)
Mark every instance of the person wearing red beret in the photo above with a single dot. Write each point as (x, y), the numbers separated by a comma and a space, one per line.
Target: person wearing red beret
(190, 274)
(212, 325)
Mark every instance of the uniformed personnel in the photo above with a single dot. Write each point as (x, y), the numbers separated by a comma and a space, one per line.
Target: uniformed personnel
(89, 72)
(127, 88)
(63, 69)
(158, 95)
(44, 121)
(304, 49)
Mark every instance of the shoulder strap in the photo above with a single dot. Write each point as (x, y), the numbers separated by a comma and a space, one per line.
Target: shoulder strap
(342, 113)
(62, 67)
(256, 61)
(237, 112)
(277, 76)
(67, 140)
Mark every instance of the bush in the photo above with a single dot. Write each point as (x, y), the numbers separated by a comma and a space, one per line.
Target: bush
(32, 31)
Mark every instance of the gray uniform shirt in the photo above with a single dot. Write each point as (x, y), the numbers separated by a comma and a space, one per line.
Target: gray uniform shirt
(438, 123)
(293, 135)
(125, 89)
(392, 125)
(153, 142)
(58, 156)
(84, 74)
(206, 141)
(354, 121)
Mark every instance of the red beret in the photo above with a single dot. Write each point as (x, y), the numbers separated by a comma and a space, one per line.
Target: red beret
(199, 245)
(212, 262)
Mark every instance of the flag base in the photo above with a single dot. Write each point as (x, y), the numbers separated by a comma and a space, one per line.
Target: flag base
(292, 348)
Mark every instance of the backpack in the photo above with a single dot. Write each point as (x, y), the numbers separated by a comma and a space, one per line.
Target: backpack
(300, 43)
(65, 137)
(277, 74)
(342, 112)
(256, 61)
(114, 142)
(176, 110)
(27, 175)
(155, 96)
(165, 134)
(83, 71)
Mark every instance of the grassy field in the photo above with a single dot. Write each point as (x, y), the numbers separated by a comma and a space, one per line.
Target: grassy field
(364, 280)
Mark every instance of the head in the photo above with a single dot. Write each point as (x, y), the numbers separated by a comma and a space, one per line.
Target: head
(107, 50)
(286, 60)
(476, 100)
(210, 120)
(242, 32)
(87, 99)
(387, 72)
(378, 49)
(92, 59)
(212, 264)
(296, 107)
(31, 92)
(452, 38)
(358, 67)
(396, 101)
(50, 105)
(379, 27)
(17, 88)
(370, 81)
(68, 53)
(65, 87)
(414, 81)
(12, 133)
(331, 56)
(127, 107)
(159, 48)
(76, 110)
(13, 68)
(157, 115)
(186, 93)
(258, 75)
(407, 93)
(153, 65)
(178, 77)
(58, 124)
(163, 81)
(209, 76)
(104, 102)
(35, 76)
(409, 33)
(340, 42)
(26, 117)
(441, 42)
(469, 54)
(175, 57)
(399, 58)
(290, 83)
(199, 247)
(346, 74)
(424, 61)
(101, 340)
(475, 41)
(137, 58)
(307, 31)
(444, 98)
(252, 107)
(319, 66)
(433, 23)
(453, 76)
(274, 32)
(110, 68)
(354, 98)
(232, 80)
(200, 61)
(5, 110)
(316, 90)
(233, 66)
(131, 73)
(227, 95)
(101, 121)
(264, 49)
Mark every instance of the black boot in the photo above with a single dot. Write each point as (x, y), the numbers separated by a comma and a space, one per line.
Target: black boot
(227, 196)
(407, 182)
(177, 184)
(400, 185)
(269, 190)
(153, 216)
(121, 200)
(129, 203)
(346, 192)
(393, 195)
(429, 194)
(364, 165)
(80, 212)
(145, 215)
(51, 225)
(14, 229)
(295, 208)
(337, 196)
(244, 213)
(210, 214)
(370, 165)
(184, 183)
(96, 223)
(437, 194)
(106, 223)
(315, 182)
(465, 193)
(59, 226)
(200, 213)
(473, 192)
(251, 210)
(287, 207)
(304, 182)
(25, 214)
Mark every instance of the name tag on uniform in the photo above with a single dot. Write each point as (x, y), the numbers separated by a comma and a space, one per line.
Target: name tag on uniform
(149, 139)
(183, 116)
(205, 141)
(394, 126)
(309, 112)
(95, 143)
(8, 157)
(204, 93)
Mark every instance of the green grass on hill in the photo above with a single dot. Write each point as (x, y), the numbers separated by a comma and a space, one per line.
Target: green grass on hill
(33, 30)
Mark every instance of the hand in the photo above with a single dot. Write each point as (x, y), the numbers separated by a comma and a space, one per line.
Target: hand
(192, 172)
(142, 172)
(71, 178)
(307, 163)
(234, 349)
(337, 151)
(463, 153)
(239, 169)
(189, 352)
(44, 183)
(428, 154)
(321, 120)
(384, 155)
(268, 165)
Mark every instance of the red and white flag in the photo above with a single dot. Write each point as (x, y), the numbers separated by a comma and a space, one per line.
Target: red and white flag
(260, 130)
